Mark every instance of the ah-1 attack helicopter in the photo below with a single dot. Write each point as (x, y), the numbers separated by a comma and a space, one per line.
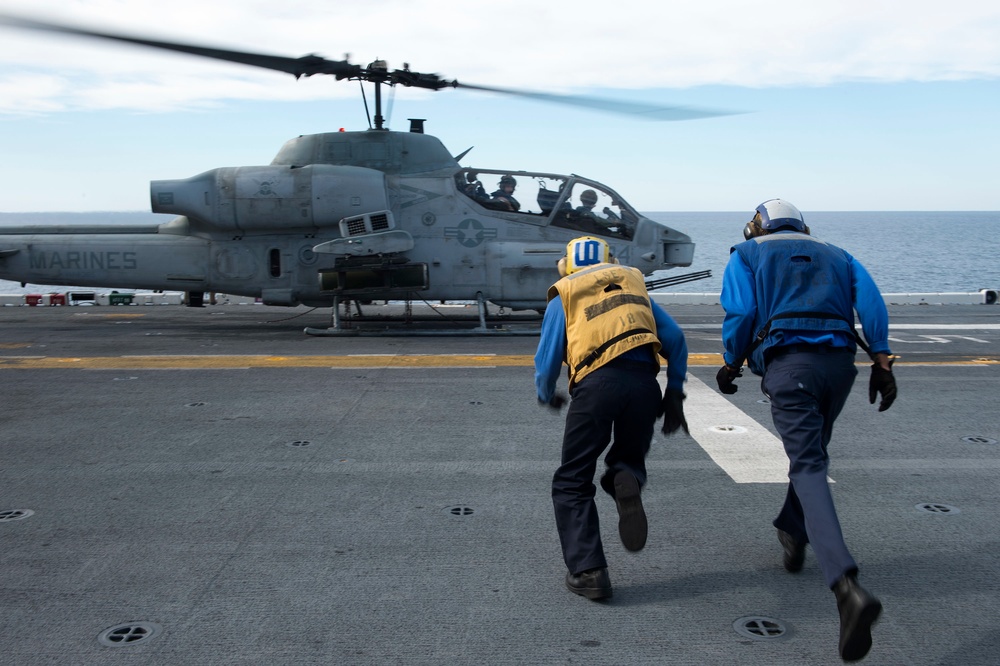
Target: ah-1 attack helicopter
(352, 216)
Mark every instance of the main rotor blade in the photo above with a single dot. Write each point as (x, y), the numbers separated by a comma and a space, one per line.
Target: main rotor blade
(304, 66)
(640, 109)
(312, 64)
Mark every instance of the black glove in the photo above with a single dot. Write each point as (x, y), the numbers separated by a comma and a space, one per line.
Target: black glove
(725, 377)
(882, 382)
(672, 411)
(556, 402)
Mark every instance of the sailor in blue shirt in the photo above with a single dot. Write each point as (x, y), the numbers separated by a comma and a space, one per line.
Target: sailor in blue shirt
(601, 323)
(790, 301)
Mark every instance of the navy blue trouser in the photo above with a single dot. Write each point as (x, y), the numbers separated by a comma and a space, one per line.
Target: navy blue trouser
(620, 399)
(807, 392)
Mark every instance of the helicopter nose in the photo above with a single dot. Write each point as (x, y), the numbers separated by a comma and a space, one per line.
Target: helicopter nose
(661, 246)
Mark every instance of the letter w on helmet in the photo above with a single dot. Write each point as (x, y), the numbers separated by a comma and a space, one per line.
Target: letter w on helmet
(586, 251)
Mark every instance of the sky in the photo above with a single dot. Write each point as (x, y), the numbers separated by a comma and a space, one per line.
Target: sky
(853, 105)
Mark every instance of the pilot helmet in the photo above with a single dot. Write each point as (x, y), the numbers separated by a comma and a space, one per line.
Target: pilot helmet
(582, 252)
(772, 215)
(508, 180)
(588, 197)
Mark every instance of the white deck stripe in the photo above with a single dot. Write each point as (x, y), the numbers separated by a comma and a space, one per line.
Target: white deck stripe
(744, 449)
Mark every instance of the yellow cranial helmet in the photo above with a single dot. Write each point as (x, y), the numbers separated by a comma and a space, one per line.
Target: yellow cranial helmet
(586, 251)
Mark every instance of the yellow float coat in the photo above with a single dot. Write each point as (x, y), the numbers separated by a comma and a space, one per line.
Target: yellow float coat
(607, 314)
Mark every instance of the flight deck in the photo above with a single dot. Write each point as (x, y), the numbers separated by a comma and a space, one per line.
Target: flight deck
(212, 485)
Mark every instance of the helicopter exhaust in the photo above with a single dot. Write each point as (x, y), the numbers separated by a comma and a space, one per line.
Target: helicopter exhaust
(262, 198)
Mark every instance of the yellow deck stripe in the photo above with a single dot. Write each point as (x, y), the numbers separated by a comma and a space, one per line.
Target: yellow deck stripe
(204, 362)
(240, 362)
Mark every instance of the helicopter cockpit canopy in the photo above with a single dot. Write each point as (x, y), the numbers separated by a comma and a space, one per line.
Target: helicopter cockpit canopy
(571, 202)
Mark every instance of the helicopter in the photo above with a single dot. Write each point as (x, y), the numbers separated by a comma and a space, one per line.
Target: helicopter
(354, 216)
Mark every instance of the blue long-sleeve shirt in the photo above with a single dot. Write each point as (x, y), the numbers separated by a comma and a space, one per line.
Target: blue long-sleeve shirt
(740, 303)
(552, 349)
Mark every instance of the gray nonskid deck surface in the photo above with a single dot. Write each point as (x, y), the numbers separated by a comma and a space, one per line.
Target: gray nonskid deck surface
(385, 515)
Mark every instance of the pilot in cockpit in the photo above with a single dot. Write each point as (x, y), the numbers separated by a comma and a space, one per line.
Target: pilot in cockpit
(585, 219)
(504, 197)
(588, 199)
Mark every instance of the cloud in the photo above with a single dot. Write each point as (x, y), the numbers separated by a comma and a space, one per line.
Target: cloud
(558, 46)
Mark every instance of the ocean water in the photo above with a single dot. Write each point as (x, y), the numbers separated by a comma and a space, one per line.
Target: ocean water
(905, 252)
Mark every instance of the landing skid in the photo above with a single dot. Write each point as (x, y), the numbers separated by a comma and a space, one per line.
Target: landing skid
(354, 323)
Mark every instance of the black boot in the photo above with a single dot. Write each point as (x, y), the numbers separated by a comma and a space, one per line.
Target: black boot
(795, 552)
(858, 612)
(594, 584)
(632, 525)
